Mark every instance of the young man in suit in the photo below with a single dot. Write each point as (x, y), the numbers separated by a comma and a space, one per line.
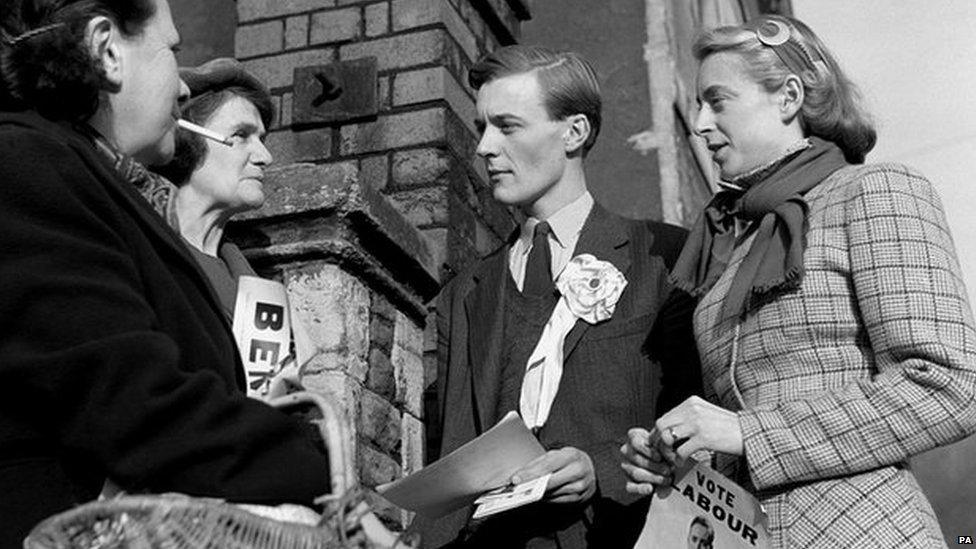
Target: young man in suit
(539, 115)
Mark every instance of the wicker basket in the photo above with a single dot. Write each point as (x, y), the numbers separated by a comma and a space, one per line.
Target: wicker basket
(176, 521)
(173, 521)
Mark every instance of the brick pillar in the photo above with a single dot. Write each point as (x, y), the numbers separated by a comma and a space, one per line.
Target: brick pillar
(358, 277)
(369, 211)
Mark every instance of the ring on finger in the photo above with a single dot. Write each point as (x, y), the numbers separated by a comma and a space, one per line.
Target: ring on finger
(675, 441)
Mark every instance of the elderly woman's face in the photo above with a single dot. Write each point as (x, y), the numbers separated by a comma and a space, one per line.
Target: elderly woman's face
(742, 124)
(146, 113)
(231, 178)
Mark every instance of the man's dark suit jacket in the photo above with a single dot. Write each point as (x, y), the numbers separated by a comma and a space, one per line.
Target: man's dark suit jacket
(115, 359)
(642, 359)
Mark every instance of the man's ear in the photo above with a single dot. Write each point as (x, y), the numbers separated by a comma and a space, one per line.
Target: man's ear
(102, 38)
(791, 97)
(577, 133)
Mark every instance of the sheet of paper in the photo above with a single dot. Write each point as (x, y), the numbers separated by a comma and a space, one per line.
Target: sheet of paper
(457, 479)
(703, 509)
(511, 496)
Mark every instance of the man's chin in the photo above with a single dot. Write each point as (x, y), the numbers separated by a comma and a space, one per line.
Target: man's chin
(728, 173)
(506, 198)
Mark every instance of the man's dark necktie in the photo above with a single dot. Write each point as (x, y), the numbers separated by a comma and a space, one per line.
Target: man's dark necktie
(538, 269)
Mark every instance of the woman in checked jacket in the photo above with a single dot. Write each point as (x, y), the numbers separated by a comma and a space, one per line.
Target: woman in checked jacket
(834, 330)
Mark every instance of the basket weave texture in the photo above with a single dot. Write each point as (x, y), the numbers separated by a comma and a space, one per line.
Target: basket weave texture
(179, 522)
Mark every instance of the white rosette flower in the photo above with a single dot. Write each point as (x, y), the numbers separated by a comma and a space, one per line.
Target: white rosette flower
(591, 287)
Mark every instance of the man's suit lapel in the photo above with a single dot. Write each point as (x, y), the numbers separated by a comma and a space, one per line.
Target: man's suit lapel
(484, 307)
(605, 237)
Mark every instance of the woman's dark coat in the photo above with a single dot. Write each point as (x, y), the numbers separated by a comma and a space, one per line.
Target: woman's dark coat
(115, 360)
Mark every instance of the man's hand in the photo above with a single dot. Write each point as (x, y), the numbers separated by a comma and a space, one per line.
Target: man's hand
(573, 478)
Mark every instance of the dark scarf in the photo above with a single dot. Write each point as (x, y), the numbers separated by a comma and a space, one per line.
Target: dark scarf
(773, 198)
(158, 191)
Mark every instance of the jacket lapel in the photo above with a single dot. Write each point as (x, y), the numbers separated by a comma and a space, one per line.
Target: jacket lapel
(154, 224)
(172, 244)
(484, 307)
(605, 237)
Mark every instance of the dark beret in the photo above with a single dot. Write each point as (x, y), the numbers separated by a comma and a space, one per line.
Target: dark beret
(219, 74)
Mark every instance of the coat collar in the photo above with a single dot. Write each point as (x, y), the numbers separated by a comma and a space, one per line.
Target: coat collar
(130, 199)
(100, 164)
(155, 226)
(604, 235)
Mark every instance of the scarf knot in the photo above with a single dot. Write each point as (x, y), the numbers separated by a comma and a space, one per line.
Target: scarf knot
(772, 199)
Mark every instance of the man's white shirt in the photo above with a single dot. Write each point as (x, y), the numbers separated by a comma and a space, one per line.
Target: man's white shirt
(566, 224)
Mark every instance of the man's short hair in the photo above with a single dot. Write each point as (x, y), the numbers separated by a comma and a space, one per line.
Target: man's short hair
(569, 83)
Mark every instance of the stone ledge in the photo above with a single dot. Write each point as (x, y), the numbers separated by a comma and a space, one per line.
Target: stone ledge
(325, 211)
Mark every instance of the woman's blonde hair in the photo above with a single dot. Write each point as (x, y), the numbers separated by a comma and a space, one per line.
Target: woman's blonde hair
(832, 105)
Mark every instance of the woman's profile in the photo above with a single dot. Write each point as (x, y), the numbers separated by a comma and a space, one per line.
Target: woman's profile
(835, 334)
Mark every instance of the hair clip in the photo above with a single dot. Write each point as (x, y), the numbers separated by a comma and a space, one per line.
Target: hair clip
(794, 53)
(773, 33)
(33, 32)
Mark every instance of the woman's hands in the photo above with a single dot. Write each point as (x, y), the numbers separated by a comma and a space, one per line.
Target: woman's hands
(693, 425)
(697, 424)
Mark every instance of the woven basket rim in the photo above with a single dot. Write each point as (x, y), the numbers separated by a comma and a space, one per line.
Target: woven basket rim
(161, 506)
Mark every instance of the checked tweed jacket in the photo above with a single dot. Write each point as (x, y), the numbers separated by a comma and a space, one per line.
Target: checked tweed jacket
(872, 360)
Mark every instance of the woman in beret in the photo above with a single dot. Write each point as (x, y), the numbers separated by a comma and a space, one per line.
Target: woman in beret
(216, 180)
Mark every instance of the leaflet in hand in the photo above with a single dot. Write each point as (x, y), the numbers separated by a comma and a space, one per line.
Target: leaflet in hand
(459, 478)
(703, 509)
(510, 497)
